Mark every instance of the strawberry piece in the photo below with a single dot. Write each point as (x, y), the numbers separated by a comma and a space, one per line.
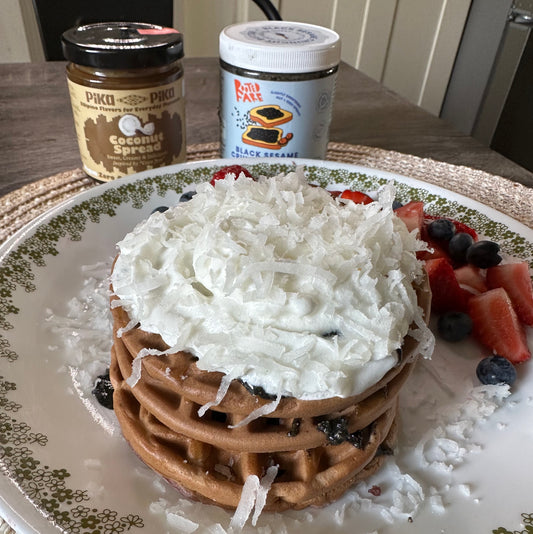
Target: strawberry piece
(356, 196)
(515, 279)
(230, 169)
(471, 278)
(439, 249)
(447, 294)
(496, 325)
(459, 226)
(412, 214)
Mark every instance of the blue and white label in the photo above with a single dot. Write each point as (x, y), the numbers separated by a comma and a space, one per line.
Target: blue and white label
(263, 118)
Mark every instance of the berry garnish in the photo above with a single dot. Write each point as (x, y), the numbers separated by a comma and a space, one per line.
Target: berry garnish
(442, 229)
(230, 169)
(496, 370)
(412, 214)
(516, 280)
(483, 254)
(454, 326)
(356, 196)
(447, 294)
(332, 333)
(496, 325)
(471, 278)
(336, 430)
(257, 391)
(459, 226)
(103, 390)
(375, 490)
(185, 197)
(295, 428)
(458, 246)
(160, 209)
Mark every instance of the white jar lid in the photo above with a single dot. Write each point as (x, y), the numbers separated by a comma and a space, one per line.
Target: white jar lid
(279, 46)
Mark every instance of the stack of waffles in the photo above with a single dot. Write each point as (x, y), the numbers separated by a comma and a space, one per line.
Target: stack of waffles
(319, 447)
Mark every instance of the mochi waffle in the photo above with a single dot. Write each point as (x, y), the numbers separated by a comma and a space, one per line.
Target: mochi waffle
(321, 447)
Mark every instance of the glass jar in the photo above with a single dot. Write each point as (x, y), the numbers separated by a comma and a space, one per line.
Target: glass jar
(126, 89)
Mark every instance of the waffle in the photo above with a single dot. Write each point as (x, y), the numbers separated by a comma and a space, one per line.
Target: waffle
(209, 460)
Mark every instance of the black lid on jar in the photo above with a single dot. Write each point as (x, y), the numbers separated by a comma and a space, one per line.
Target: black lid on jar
(122, 45)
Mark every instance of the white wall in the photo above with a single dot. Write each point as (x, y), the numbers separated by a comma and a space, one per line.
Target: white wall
(408, 45)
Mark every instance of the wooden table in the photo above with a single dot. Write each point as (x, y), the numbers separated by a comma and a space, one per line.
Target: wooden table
(37, 133)
(37, 137)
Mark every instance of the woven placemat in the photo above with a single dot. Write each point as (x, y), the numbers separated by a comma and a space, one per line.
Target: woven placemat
(516, 200)
(23, 205)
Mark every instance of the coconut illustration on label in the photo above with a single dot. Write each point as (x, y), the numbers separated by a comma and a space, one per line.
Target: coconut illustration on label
(130, 124)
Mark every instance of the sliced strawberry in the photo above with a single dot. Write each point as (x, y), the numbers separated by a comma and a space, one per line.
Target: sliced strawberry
(412, 214)
(439, 249)
(516, 280)
(459, 226)
(447, 294)
(496, 325)
(471, 278)
(356, 196)
(230, 169)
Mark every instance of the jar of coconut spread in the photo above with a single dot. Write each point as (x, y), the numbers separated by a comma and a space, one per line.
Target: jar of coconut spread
(277, 89)
(126, 88)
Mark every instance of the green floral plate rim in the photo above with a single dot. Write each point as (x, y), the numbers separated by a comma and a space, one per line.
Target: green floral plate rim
(26, 470)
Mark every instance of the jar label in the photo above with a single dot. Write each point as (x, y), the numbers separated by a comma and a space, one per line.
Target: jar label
(264, 118)
(125, 131)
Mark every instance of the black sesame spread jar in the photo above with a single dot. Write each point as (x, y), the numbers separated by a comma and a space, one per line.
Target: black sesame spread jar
(126, 87)
(277, 87)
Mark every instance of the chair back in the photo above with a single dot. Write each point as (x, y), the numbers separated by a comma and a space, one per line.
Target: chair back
(55, 17)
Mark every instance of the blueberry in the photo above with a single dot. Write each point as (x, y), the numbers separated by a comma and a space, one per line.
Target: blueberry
(160, 209)
(332, 333)
(103, 390)
(454, 326)
(336, 430)
(257, 391)
(357, 439)
(496, 370)
(187, 196)
(295, 428)
(458, 245)
(484, 254)
(441, 229)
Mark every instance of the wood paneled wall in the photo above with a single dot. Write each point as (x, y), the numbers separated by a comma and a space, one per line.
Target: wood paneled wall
(408, 45)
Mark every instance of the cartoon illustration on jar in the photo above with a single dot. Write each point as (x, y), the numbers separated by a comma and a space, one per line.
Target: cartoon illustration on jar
(266, 135)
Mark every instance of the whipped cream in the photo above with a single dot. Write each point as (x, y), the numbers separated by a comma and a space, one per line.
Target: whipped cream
(276, 282)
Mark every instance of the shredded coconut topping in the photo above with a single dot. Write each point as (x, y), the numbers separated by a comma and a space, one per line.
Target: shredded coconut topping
(276, 282)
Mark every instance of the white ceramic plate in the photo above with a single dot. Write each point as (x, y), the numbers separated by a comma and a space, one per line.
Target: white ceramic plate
(464, 454)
